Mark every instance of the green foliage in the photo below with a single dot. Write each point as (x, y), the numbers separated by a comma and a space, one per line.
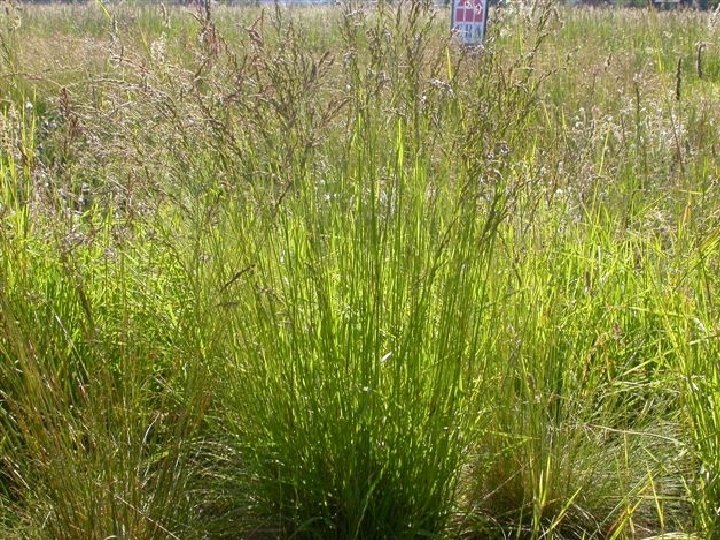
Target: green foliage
(322, 273)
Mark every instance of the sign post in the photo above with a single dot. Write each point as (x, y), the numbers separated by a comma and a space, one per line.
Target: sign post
(469, 18)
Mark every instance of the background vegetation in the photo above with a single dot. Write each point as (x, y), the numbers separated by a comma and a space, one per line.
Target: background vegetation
(322, 273)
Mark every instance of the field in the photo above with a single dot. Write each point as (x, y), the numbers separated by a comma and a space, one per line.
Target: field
(323, 273)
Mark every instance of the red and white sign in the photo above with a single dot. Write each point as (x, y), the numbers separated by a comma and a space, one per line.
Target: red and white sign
(468, 20)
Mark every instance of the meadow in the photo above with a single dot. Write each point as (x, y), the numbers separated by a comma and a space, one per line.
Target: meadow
(324, 273)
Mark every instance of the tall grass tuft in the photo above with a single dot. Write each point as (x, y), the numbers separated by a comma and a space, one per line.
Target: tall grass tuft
(324, 273)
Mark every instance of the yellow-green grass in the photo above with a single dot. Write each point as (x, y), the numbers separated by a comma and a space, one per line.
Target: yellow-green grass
(323, 273)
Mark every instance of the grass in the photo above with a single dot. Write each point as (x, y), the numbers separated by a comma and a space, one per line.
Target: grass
(322, 273)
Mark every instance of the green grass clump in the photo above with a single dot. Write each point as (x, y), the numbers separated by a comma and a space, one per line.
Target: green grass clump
(322, 273)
